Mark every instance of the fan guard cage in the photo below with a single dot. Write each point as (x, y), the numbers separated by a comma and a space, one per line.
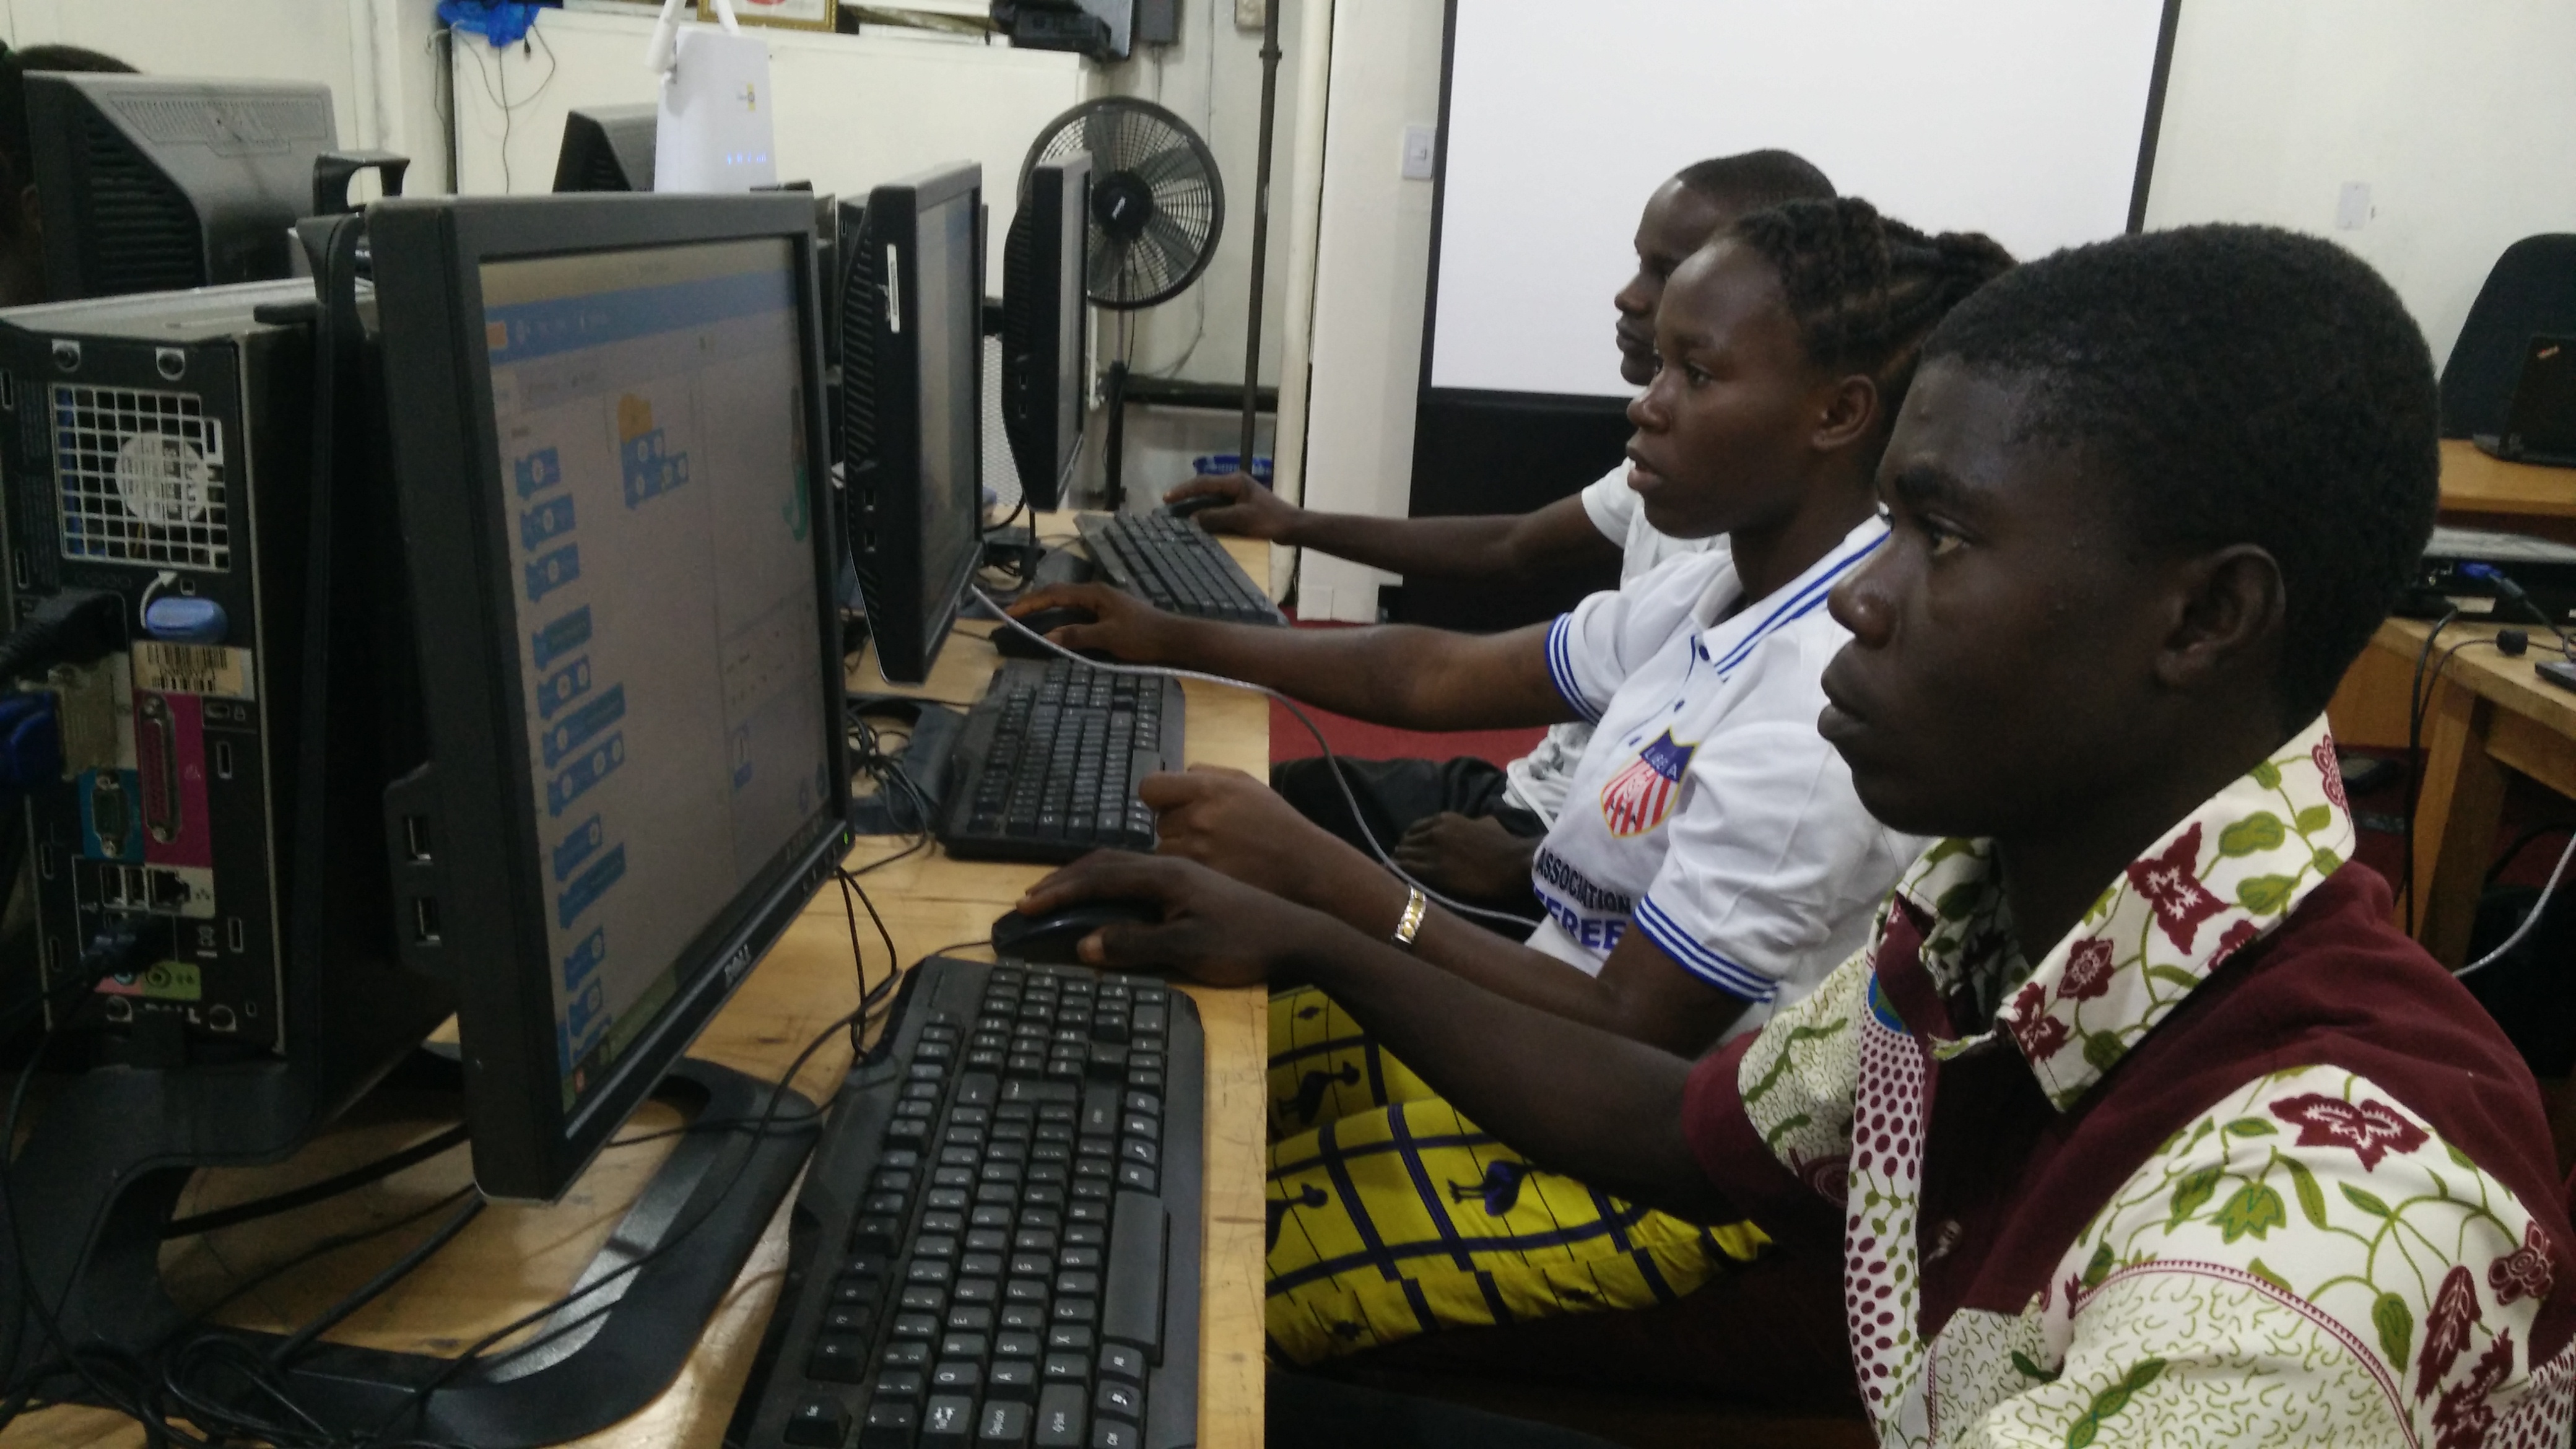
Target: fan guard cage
(1158, 206)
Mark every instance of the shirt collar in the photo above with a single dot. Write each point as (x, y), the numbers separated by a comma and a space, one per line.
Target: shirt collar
(1730, 641)
(2221, 879)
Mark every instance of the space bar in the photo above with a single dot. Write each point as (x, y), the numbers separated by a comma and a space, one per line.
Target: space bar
(1131, 1309)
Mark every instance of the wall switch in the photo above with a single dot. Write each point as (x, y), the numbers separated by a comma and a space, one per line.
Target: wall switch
(1420, 142)
(2352, 207)
(1247, 14)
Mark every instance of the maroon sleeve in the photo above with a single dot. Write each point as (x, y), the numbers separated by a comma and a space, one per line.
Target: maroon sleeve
(1733, 1154)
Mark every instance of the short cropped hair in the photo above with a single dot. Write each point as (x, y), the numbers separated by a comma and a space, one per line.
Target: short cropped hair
(1756, 179)
(2242, 384)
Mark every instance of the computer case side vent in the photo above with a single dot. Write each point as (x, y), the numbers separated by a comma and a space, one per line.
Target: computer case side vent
(862, 312)
(144, 233)
(141, 477)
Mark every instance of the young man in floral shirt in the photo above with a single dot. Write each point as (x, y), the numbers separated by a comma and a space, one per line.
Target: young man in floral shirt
(2135, 1122)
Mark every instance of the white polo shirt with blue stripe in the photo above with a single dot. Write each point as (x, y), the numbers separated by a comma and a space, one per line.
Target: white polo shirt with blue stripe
(1707, 811)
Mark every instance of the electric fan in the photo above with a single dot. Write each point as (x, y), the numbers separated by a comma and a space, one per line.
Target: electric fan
(1157, 206)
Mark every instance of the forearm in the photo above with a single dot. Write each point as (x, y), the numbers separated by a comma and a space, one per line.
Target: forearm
(1472, 547)
(1390, 674)
(1588, 1103)
(1368, 899)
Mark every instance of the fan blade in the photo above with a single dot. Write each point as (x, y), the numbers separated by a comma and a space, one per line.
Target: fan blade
(1174, 239)
(1172, 161)
(1100, 135)
(1107, 266)
(1194, 206)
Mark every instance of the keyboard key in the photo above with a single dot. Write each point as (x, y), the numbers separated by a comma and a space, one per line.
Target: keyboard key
(1068, 1368)
(1012, 1378)
(1005, 1425)
(890, 1425)
(838, 1358)
(1117, 1400)
(904, 1384)
(1111, 1434)
(1062, 1410)
(1120, 1361)
(818, 1420)
(947, 1422)
(957, 1376)
(1134, 1300)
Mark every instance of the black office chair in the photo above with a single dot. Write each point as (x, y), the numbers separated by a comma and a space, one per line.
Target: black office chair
(2531, 289)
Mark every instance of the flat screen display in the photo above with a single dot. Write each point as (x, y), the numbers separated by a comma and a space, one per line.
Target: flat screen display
(648, 408)
(952, 360)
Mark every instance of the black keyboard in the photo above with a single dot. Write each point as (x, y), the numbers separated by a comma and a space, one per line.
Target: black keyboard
(1047, 765)
(997, 1243)
(1176, 566)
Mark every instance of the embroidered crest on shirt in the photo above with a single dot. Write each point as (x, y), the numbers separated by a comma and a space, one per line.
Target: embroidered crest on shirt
(1638, 798)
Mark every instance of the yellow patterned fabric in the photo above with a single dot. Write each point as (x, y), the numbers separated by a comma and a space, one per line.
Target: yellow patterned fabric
(1391, 1215)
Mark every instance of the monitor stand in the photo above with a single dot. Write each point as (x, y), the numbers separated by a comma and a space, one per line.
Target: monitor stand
(85, 1164)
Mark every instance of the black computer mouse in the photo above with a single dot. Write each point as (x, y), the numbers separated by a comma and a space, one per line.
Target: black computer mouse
(1015, 645)
(1049, 940)
(1197, 503)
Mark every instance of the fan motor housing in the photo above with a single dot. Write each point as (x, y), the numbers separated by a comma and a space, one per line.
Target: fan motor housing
(1122, 204)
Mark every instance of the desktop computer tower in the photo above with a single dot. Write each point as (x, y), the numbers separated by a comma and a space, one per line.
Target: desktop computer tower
(160, 448)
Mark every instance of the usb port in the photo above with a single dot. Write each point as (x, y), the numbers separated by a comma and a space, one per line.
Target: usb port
(424, 921)
(416, 837)
(236, 939)
(223, 759)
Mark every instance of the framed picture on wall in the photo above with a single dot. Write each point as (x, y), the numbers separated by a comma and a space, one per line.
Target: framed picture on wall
(794, 14)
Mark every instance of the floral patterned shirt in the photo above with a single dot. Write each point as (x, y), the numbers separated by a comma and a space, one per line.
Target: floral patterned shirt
(2233, 1163)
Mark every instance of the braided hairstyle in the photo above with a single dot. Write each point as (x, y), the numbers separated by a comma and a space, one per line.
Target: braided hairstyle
(1865, 290)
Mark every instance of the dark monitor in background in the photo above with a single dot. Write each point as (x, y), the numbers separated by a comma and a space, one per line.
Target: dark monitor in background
(150, 184)
(912, 407)
(607, 468)
(1043, 313)
(607, 148)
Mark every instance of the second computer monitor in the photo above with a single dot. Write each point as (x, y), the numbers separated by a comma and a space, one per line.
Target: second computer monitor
(607, 148)
(912, 408)
(152, 185)
(1043, 310)
(621, 567)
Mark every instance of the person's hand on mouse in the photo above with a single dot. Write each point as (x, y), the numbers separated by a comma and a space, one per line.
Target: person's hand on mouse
(1250, 511)
(1228, 821)
(1215, 930)
(1127, 627)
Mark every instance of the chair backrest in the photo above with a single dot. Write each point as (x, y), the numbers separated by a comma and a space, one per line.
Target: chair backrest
(2531, 289)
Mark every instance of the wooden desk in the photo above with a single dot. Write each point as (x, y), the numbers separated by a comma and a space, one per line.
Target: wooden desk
(2486, 715)
(2479, 491)
(515, 1258)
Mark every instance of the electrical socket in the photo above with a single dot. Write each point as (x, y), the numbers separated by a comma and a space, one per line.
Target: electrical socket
(1247, 14)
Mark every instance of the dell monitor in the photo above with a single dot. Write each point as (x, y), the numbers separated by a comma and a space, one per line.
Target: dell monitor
(607, 148)
(148, 184)
(622, 566)
(912, 378)
(1043, 310)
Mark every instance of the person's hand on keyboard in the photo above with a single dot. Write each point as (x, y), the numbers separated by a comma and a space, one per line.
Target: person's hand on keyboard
(1234, 824)
(1214, 929)
(1251, 511)
(1128, 628)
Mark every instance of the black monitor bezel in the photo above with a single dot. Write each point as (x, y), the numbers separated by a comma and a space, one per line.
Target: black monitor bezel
(886, 523)
(1038, 302)
(485, 840)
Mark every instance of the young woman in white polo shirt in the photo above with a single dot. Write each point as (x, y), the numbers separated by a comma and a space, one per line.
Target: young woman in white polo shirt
(1712, 860)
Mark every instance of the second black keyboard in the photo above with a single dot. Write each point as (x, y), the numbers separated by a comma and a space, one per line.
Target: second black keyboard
(1176, 566)
(1047, 764)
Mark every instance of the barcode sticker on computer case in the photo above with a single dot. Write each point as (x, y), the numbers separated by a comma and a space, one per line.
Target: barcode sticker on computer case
(192, 669)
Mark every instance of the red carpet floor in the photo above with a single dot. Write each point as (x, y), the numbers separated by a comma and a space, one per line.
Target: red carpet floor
(1359, 740)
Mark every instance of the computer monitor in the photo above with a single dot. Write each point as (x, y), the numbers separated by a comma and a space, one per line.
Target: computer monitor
(622, 565)
(607, 148)
(1043, 311)
(912, 407)
(148, 184)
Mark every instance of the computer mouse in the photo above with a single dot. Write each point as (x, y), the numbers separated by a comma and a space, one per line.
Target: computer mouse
(1049, 940)
(1015, 645)
(1197, 503)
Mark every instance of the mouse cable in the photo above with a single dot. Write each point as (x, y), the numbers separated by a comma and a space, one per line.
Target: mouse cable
(1158, 671)
(2529, 921)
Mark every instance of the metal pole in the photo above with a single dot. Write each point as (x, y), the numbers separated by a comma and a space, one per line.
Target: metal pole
(1260, 226)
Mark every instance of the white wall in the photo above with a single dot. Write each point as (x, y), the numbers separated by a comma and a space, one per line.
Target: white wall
(2460, 115)
(1212, 80)
(1370, 270)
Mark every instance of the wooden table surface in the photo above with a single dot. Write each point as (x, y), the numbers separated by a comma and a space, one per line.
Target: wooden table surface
(2485, 492)
(514, 1258)
(2485, 715)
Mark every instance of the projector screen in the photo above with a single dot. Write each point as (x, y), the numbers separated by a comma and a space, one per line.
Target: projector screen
(2019, 118)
